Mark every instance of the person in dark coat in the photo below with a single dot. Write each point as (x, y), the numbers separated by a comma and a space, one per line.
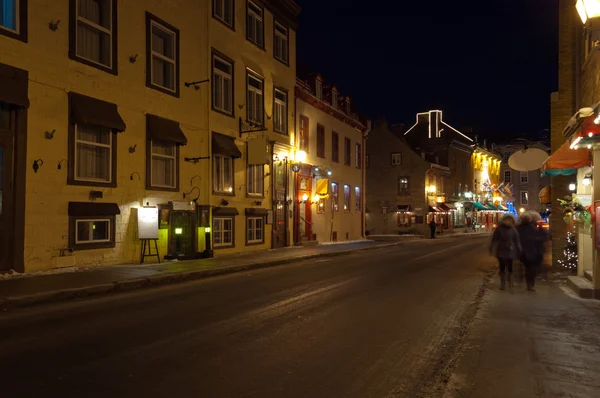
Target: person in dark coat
(506, 246)
(532, 242)
(432, 228)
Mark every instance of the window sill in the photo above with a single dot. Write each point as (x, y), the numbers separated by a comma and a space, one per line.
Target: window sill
(217, 193)
(71, 181)
(21, 36)
(231, 115)
(112, 71)
(255, 243)
(251, 196)
(286, 63)
(256, 44)
(163, 189)
(231, 27)
(164, 90)
(92, 246)
(281, 132)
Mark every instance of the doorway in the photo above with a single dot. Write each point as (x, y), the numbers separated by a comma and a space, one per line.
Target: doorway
(183, 235)
(303, 230)
(7, 194)
(280, 220)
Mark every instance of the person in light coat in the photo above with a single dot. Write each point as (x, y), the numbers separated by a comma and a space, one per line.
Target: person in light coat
(506, 247)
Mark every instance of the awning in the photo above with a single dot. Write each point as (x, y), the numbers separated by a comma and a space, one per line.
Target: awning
(14, 84)
(93, 209)
(225, 145)
(88, 110)
(434, 209)
(162, 129)
(447, 206)
(490, 206)
(500, 207)
(225, 211)
(566, 161)
(256, 212)
(403, 208)
(545, 195)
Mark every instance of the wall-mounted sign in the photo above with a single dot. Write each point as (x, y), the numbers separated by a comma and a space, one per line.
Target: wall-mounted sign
(322, 188)
(184, 206)
(148, 223)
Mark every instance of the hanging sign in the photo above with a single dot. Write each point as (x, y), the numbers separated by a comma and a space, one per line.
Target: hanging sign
(148, 223)
(322, 187)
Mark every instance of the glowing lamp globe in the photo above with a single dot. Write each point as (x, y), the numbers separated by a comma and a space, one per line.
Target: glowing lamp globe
(528, 159)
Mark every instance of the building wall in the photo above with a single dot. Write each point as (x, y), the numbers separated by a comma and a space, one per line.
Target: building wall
(246, 56)
(382, 182)
(52, 75)
(346, 224)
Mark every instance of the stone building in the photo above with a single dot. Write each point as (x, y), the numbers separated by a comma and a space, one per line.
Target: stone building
(397, 199)
(97, 123)
(330, 183)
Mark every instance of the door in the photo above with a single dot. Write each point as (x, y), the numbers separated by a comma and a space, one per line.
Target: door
(280, 206)
(304, 219)
(182, 234)
(7, 123)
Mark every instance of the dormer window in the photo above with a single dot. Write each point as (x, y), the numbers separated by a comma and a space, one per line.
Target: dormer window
(348, 107)
(319, 89)
(334, 98)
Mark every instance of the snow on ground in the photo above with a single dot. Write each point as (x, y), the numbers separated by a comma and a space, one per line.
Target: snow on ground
(12, 274)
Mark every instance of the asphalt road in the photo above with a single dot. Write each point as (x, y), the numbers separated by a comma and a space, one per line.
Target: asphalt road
(379, 323)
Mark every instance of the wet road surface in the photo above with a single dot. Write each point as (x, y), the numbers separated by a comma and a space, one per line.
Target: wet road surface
(379, 323)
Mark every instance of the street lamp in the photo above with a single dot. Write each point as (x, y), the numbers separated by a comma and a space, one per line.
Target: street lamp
(588, 9)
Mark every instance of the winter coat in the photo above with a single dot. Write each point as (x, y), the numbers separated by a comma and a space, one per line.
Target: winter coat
(506, 243)
(432, 225)
(532, 241)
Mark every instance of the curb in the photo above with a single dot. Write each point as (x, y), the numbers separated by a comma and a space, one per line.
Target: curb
(162, 280)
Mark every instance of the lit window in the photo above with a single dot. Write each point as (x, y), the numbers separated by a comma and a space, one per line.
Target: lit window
(256, 177)
(223, 174)
(94, 36)
(524, 198)
(303, 134)
(321, 206)
(335, 205)
(346, 197)
(280, 112)
(281, 43)
(164, 42)
(222, 231)
(163, 167)
(222, 85)
(403, 187)
(254, 24)
(93, 153)
(9, 11)
(396, 159)
(254, 103)
(255, 230)
(358, 198)
(223, 11)
(92, 231)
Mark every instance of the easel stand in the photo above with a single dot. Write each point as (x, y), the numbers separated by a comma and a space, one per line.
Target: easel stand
(146, 245)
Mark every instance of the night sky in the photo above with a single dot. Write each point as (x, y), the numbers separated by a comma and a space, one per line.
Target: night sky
(489, 65)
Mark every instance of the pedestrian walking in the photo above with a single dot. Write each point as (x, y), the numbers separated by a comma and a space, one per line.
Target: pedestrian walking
(432, 228)
(506, 246)
(532, 241)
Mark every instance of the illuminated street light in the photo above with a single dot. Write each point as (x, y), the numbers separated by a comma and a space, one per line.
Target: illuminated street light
(572, 187)
(588, 9)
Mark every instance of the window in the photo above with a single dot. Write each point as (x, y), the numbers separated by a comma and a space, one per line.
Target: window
(347, 151)
(357, 156)
(13, 19)
(303, 134)
(321, 206)
(335, 197)
(280, 115)
(524, 177)
(163, 165)
(222, 85)
(256, 178)
(346, 197)
(94, 151)
(507, 176)
(281, 43)
(320, 141)
(255, 230)
(223, 174)
(505, 157)
(319, 89)
(92, 231)
(93, 39)
(358, 198)
(404, 219)
(524, 198)
(348, 108)
(223, 11)
(403, 186)
(335, 146)
(254, 102)
(334, 98)
(163, 56)
(367, 161)
(396, 159)
(254, 24)
(222, 231)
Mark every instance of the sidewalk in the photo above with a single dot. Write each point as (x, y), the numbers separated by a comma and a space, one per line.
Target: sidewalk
(523, 344)
(58, 286)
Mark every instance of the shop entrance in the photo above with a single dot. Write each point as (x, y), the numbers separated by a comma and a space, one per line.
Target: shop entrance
(182, 235)
(303, 224)
(280, 220)
(7, 122)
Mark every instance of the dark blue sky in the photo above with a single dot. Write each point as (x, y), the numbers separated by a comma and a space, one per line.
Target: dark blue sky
(490, 65)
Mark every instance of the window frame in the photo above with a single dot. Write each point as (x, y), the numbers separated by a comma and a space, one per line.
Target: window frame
(347, 198)
(222, 20)
(114, 42)
(526, 179)
(404, 215)
(149, 155)
(218, 180)
(526, 202)
(320, 141)
(358, 155)
(21, 33)
(227, 60)
(254, 242)
(152, 20)
(222, 232)
(335, 197)
(303, 140)
(404, 192)
(277, 24)
(249, 170)
(256, 76)
(347, 151)
(358, 199)
(72, 161)
(262, 25)
(91, 245)
(509, 174)
(321, 206)
(335, 149)
(277, 101)
(393, 158)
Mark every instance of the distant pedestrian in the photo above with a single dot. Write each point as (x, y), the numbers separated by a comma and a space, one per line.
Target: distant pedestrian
(506, 246)
(532, 242)
(432, 228)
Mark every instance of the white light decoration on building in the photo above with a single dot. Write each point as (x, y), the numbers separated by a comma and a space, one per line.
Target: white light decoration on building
(587, 180)
(588, 9)
(572, 187)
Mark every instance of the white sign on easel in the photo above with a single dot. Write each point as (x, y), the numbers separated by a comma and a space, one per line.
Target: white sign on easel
(148, 223)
